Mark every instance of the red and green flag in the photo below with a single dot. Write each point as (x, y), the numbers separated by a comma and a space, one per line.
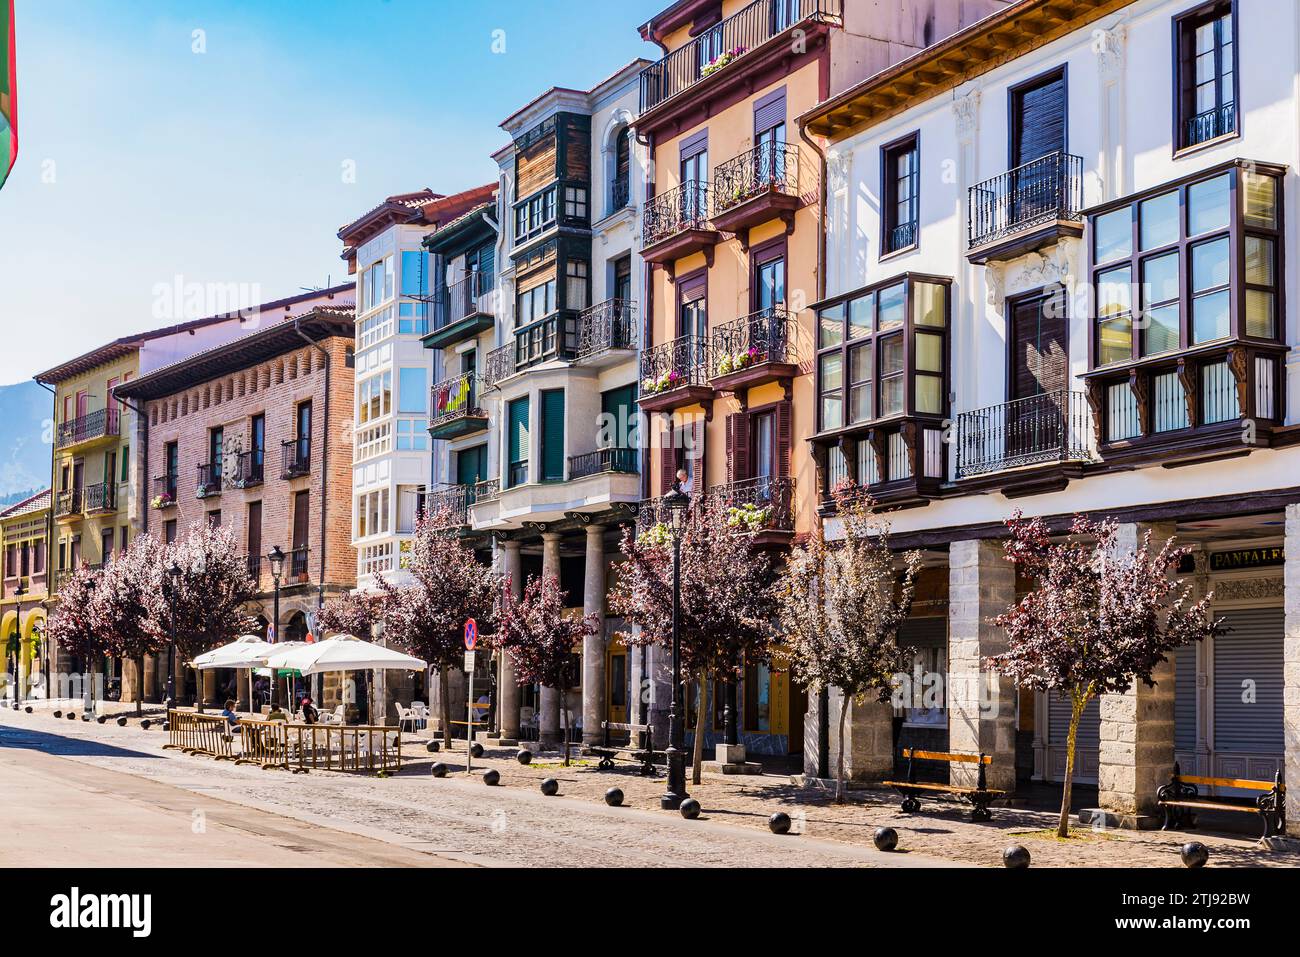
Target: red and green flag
(8, 91)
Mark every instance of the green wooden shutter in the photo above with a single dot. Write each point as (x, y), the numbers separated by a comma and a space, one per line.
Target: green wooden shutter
(469, 465)
(553, 435)
(518, 443)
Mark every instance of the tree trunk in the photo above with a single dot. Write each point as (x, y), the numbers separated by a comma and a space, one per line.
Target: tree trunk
(564, 707)
(697, 761)
(139, 685)
(1079, 701)
(839, 758)
(444, 683)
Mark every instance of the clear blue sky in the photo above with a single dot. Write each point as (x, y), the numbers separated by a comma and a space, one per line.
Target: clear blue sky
(141, 160)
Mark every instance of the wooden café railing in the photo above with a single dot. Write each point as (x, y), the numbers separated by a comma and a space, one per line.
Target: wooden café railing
(325, 747)
(199, 734)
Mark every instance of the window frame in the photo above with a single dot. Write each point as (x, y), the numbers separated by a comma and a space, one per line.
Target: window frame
(1189, 20)
(890, 153)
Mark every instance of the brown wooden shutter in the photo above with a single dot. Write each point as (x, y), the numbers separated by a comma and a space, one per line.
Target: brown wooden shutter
(784, 438)
(667, 462)
(737, 447)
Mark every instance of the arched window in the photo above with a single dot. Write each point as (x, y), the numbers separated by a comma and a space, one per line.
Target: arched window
(621, 188)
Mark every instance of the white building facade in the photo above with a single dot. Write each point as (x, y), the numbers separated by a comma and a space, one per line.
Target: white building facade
(1056, 282)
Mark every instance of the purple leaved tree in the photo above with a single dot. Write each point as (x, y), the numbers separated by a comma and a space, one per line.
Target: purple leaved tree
(727, 606)
(1097, 621)
(448, 585)
(353, 613)
(73, 627)
(542, 638)
(841, 608)
(212, 592)
(120, 607)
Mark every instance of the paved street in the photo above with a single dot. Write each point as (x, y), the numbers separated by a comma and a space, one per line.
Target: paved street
(121, 779)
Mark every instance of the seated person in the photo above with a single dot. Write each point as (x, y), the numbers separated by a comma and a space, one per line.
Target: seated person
(276, 714)
(309, 713)
(228, 712)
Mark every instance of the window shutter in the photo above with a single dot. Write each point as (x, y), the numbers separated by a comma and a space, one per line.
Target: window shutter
(518, 431)
(695, 145)
(487, 255)
(553, 435)
(667, 462)
(769, 111)
(737, 447)
(784, 438)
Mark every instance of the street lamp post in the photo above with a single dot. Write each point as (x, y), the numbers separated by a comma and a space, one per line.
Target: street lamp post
(19, 592)
(174, 577)
(677, 502)
(276, 558)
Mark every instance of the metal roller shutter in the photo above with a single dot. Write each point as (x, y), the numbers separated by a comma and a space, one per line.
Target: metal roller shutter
(1248, 665)
(1058, 723)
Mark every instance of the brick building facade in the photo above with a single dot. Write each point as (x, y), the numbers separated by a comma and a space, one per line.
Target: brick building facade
(256, 435)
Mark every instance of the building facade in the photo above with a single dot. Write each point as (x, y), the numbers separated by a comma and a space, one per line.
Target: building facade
(252, 435)
(1089, 315)
(390, 448)
(24, 540)
(732, 244)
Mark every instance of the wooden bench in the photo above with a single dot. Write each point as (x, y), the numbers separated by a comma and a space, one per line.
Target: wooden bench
(979, 797)
(1181, 798)
(608, 752)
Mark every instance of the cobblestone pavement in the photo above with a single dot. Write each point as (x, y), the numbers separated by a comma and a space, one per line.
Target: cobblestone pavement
(460, 817)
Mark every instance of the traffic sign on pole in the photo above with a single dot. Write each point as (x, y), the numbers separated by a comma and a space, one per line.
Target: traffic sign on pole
(471, 634)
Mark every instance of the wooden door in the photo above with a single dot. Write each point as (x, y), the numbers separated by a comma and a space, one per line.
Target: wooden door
(1038, 130)
(1038, 378)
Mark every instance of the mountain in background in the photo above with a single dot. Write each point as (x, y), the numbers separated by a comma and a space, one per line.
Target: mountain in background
(24, 448)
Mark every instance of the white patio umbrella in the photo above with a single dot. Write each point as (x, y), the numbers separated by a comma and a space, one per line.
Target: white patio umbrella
(343, 653)
(248, 651)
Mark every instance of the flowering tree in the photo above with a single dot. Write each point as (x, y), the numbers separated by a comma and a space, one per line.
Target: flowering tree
(211, 592)
(449, 585)
(540, 637)
(73, 625)
(1097, 621)
(354, 613)
(727, 603)
(841, 608)
(120, 607)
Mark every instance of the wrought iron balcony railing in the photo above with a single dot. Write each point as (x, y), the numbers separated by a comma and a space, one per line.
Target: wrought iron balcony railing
(94, 425)
(1043, 191)
(769, 167)
(209, 481)
(620, 193)
(674, 364)
(296, 457)
(499, 364)
(255, 567)
(768, 335)
(101, 497)
(297, 564)
(553, 337)
(468, 296)
(249, 469)
(455, 398)
(68, 502)
(605, 460)
(1051, 427)
(487, 490)
(758, 504)
(607, 326)
(164, 491)
(1210, 125)
(676, 211)
(719, 45)
(448, 507)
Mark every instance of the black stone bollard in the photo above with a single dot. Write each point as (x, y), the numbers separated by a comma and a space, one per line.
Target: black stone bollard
(58, 714)
(439, 770)
(550, 787)
(779, 823)
(614, 797)
(1016, 857)
(690, 809)
(524, 756)
(28, 709)
(102, 719)
(432, 747)
(73, 717)
(886, 838)
(146, 724)
(121, 723)
(476, 750)
(491, 777)
(1194, 854)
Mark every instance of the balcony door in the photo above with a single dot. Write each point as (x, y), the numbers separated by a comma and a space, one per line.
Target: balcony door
(1038, 130)
(693, 327)
(301, 534)
(1038, 376)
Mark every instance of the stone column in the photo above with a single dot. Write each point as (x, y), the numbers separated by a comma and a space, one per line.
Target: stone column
(594, 710)
(981, 703)
(868, 739)
(1137, 729)
(151, 679)
(507, 685)
(1291, 670)
(549, 722)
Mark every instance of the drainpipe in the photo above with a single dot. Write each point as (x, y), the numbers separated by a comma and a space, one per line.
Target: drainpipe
(324, 456)
(144, 465)
(647, 318)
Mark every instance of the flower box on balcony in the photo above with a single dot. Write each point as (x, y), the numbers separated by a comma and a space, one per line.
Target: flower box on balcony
(721, 60)
(165, 500)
